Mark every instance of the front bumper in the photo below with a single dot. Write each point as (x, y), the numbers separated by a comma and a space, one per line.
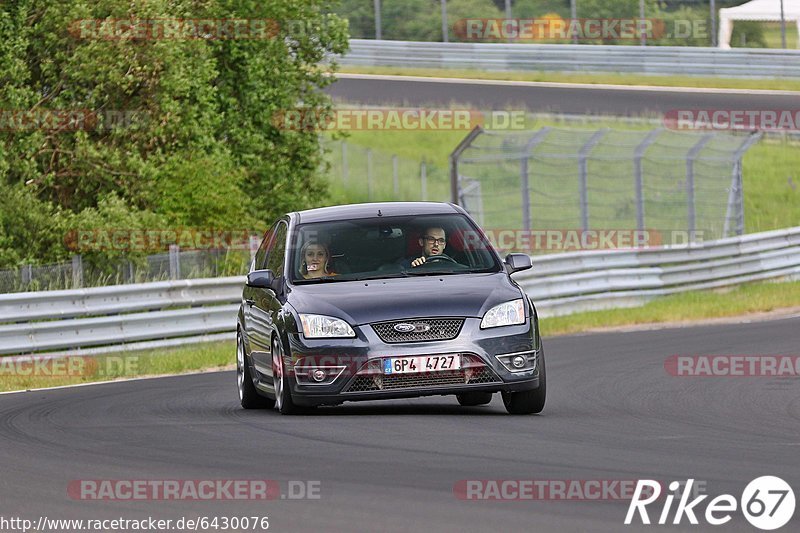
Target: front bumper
(354, 366)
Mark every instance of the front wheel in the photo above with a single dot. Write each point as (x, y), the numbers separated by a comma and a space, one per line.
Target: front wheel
(248, 396)
(529, 401)
(283, 395)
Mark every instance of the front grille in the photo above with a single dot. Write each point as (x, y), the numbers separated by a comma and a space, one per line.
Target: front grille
(374, 381)
(427, 329)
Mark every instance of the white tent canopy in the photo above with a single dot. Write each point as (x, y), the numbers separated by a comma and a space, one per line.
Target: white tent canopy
(762, 10)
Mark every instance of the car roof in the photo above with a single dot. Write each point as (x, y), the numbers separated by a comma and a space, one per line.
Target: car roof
(369, 210)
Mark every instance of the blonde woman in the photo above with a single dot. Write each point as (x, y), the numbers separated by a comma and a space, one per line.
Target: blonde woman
(315, 261)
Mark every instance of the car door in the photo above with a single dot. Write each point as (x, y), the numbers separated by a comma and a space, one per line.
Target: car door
(266, 306)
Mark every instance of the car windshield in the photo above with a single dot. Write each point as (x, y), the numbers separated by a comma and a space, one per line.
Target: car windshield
(386, 247)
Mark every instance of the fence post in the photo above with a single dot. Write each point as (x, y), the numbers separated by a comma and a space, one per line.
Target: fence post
(345, 167)
(26, 272)
(525, 191)
(127, 268)
(423, 180)
(735, 209)
(174, 261)
(77, 272)
(690, 203)
(583, 169)
(378, 33)
(455, 193)
(395, 177)
(369, 173)
(639, 175)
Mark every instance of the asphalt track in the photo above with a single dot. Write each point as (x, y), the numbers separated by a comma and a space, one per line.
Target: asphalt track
(613, 412)
(549, 97)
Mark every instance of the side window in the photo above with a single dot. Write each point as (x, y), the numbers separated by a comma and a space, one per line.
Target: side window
(261, 253)
(275, 259)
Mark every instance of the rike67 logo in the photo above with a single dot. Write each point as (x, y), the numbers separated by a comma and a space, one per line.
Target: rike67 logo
(767, 503)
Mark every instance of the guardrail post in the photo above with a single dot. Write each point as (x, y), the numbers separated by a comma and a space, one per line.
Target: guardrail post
(537, 138)
(423, 180)
(369, 173)
(174, 261)
(690, 200)
(639, 175)
(395, 177)
(583, 175)
(77, 272)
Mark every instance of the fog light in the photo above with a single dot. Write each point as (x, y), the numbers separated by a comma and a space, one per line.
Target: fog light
(518, 361)
(318, 375)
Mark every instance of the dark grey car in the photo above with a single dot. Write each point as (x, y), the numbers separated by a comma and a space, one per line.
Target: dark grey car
(371, 326)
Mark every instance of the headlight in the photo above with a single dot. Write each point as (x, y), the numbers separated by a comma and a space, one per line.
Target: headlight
(505, 314)
(320, 326)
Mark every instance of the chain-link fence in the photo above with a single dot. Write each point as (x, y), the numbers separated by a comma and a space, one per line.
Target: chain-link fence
(177, 264)
(359, 174)
(559, 179)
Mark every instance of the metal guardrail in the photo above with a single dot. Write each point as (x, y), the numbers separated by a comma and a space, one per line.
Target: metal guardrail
(582, 281)
(153, 315)
(676, 60)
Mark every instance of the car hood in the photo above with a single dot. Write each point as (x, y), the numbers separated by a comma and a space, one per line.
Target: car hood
(362, 302)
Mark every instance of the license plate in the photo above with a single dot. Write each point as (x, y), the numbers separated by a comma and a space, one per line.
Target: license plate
(423, 363)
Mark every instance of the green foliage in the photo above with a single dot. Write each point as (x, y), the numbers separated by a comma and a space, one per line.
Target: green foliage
(29, 227)
(748, 33)
(177, 129)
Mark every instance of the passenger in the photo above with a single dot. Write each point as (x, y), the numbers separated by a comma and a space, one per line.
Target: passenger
(315, 263)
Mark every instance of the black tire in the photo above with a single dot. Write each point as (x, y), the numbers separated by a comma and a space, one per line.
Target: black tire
(248, 395)
(283, 394)
(529, 401)
(471, 399)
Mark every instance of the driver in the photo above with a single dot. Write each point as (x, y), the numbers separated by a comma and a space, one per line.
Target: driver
(433, 242)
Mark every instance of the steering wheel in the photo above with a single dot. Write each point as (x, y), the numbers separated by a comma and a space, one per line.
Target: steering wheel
(440, 257)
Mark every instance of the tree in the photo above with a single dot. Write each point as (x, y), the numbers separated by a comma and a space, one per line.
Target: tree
(155, 114)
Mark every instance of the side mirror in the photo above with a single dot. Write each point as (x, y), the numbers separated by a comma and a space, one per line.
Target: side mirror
(518, 262)
(261, 279)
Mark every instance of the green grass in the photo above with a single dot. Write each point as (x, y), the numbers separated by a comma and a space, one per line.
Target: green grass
(772, 34)
(604, 78)
(682, 308)
(74, 370)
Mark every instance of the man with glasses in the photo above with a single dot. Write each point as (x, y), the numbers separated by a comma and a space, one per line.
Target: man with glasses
(433, 242)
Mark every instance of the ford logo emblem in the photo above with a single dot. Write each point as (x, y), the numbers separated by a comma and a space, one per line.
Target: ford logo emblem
(405, 327)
